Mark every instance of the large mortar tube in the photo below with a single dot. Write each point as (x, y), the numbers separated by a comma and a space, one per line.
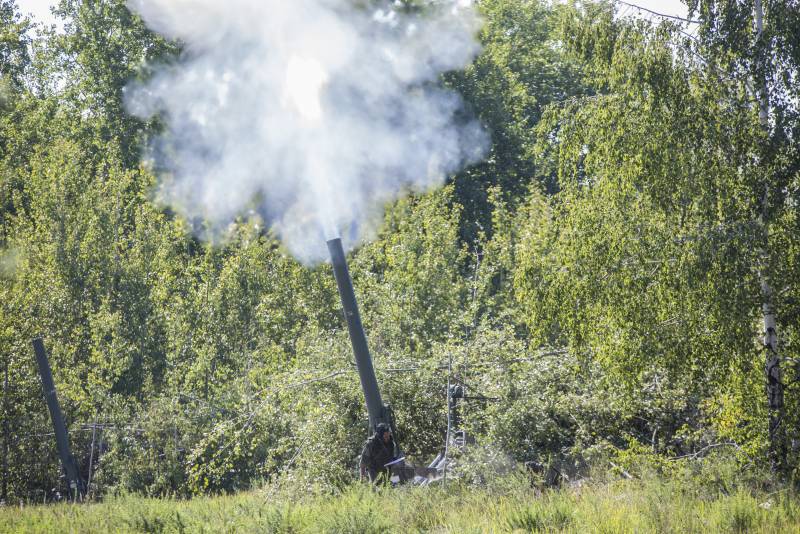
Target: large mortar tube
(62, 441)
(375, 407)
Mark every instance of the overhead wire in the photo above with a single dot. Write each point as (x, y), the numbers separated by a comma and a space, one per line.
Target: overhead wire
(656, 13)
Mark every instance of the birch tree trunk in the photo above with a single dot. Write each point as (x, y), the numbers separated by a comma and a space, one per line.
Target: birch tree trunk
(773, 371)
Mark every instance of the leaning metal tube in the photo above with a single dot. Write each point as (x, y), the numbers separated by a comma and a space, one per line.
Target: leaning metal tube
(366, 372)
(62, 441)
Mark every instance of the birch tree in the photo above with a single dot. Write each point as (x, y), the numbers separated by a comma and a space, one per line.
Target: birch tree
(758, 43)
(677, 185)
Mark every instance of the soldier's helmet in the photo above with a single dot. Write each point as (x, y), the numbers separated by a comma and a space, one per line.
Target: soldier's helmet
(381, 429)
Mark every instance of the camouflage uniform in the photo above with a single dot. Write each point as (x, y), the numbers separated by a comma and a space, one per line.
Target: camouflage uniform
(375, 455)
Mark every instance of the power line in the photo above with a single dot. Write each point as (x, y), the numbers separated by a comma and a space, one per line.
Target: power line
(656, 13)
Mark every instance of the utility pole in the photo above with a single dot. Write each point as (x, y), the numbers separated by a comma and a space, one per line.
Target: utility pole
(773, 371)
(62, 440)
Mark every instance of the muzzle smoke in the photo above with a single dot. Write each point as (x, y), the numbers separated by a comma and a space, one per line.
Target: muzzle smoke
(311, 113)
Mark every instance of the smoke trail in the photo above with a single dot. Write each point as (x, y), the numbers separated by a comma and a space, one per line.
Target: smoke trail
(312, 113)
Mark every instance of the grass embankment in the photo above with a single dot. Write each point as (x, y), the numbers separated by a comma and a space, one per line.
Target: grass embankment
(623, 506)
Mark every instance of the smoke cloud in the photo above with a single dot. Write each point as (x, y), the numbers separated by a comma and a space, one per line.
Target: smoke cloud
(311, 113)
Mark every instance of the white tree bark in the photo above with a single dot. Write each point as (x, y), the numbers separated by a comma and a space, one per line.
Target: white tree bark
(773, 372)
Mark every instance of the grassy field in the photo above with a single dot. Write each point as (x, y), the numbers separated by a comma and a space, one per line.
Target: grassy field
(652, 505)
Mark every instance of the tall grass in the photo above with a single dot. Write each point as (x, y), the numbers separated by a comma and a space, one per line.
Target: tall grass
(651, 504)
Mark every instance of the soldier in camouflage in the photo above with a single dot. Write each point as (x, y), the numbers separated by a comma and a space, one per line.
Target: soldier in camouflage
(378, 451)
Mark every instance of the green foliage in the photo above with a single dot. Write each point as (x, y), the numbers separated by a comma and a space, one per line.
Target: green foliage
(408, 279)
(542, 517)
(597, 280)
(14, 55)
(653, 254)
(523, 68)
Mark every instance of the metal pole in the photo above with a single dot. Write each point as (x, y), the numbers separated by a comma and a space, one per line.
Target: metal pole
(62, 441)
(366, 372)
(91, 459)
(449, 416)
(6, 436)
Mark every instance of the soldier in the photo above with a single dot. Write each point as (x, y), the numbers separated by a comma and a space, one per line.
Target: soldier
(378, 451)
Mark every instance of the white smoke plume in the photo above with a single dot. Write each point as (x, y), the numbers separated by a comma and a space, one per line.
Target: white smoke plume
(311, 113)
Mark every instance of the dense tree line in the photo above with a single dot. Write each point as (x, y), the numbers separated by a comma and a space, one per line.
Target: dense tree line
(606, 274)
